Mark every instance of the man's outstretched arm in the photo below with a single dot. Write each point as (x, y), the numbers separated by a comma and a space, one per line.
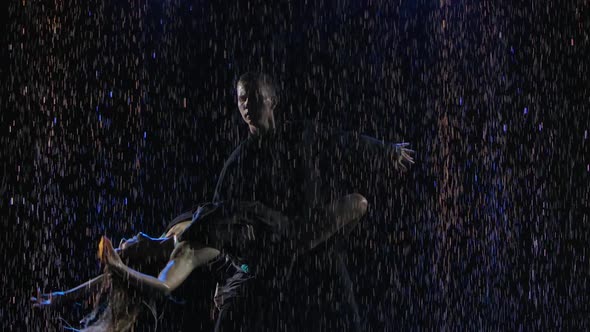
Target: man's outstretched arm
(371, 148)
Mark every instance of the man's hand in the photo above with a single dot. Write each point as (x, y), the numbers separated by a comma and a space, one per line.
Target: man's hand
(402, 156)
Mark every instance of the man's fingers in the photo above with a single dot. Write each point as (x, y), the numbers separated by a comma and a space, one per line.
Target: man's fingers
(405, 154)
(408, 151)
(409, 158)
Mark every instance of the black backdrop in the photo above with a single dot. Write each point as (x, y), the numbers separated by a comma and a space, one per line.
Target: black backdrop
(117, 116)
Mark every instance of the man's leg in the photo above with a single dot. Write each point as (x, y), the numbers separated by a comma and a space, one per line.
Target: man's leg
(347, 284)
(341, 239)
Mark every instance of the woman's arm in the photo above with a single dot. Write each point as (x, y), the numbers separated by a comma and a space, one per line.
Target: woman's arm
(140, 249)
(61, 297)
(185, 258)
(136, 250)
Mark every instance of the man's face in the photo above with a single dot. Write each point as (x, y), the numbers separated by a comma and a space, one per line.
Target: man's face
(255, 106)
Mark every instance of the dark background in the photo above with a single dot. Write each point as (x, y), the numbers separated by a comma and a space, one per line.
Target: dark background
(116, 116)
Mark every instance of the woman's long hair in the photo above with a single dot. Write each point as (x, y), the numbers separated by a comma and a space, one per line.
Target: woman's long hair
(117, 307)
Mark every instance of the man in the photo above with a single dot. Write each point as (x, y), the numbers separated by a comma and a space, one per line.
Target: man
(276, 168)
(305, 161)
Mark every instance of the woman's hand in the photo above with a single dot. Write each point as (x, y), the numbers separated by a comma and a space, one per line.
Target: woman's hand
(45, 300)
(107, 254)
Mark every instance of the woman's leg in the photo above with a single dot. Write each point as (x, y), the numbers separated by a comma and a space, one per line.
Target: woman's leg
(343, 216)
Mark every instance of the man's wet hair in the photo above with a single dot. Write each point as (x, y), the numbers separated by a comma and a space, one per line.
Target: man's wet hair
(262, 81)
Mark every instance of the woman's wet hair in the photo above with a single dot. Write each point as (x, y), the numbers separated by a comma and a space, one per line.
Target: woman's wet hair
(116, 308)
